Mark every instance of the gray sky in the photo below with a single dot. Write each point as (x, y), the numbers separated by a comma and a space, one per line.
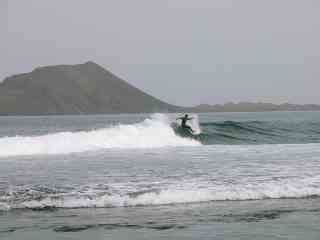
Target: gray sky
(185, 52)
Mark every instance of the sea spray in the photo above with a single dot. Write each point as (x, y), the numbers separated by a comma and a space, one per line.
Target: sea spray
(195, 125)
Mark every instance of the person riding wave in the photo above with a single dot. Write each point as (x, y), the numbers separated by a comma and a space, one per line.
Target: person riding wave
(184, 122)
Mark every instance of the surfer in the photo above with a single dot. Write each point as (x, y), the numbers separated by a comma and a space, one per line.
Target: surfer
(184, 122)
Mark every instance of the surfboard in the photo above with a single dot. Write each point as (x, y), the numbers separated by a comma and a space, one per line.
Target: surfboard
(183, 132)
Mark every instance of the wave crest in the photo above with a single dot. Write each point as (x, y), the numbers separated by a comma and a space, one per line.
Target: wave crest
(182, 192)
(154, 132)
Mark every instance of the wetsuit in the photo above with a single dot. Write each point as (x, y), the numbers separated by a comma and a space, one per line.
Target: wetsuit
(184, 123)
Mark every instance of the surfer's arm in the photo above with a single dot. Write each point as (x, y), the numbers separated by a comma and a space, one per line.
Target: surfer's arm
(190, 118)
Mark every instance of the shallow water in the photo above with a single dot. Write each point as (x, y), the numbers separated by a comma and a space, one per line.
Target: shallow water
(126, 176)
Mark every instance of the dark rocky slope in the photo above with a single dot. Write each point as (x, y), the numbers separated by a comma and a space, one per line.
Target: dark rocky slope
(75, 89)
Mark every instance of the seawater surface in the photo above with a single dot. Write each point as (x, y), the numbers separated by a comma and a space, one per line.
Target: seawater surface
(246, 176)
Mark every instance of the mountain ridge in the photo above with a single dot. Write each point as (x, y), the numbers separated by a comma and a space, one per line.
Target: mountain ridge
(88, 88)
(75, 89)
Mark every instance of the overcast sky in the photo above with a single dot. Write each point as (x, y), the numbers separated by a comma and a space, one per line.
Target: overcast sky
(185, 52)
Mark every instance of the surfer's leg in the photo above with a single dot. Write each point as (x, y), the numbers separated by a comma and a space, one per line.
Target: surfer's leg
(187, 126)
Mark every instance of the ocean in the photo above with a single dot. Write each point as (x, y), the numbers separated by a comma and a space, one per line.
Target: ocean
(245, 176)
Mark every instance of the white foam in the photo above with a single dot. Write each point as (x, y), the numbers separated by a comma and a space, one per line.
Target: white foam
(195, 125)
(4, 207)
(151, 133)
(190, 193)
(183, 192)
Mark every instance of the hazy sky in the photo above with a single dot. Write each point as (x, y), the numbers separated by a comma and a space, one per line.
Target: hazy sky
(182, 51)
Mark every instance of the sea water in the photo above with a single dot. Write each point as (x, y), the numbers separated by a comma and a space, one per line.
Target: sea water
(245, 176)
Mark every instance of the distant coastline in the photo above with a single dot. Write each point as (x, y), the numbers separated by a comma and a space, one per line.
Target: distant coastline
(256, 107)
(90, 89)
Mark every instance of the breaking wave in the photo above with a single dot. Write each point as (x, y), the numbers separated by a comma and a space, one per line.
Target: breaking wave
(183, 192)
(154, 132)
